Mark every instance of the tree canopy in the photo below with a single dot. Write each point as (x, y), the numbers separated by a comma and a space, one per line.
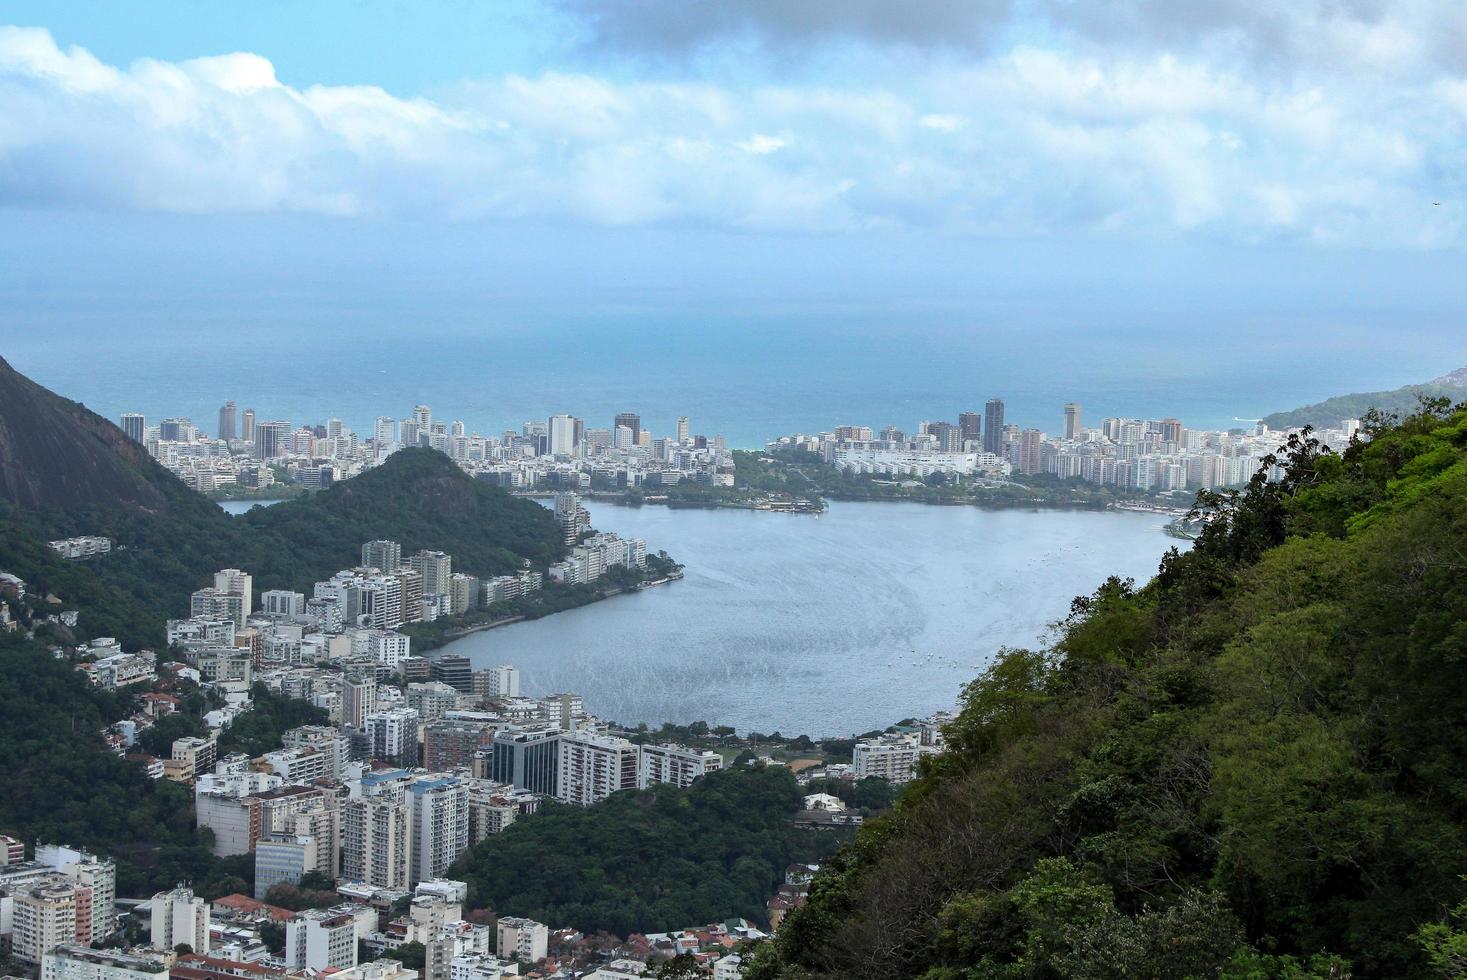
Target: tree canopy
(1254, 766)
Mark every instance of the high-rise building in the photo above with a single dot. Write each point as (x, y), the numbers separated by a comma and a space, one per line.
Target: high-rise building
(247, 425)
(179, 918)
(382, 555)
(226, 422)
(562, 431)
(282, 859)
(527, 757)
(993, 426)
(452, 743)
(593, 766)
(436, 568)
(358, 699)
(501, 681)
(632, 421)
(272, 439)
(682, 429)
(384, 433)
(523, 938)
(455, 671)
(97, 875)
(374, 841)
(675, 764)
(571, 515)
(322, 939)
(970, 426)
(1072, 420)
(423, 418)
(48, 914)
(439, 819)
(232, 581)
(133, 426)
(393, 735)
(1171, 431)
(1029, 443)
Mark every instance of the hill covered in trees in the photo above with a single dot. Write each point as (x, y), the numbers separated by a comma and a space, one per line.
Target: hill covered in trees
(1400, 401)
(649, 860)
(1254, 766)
(65, 471)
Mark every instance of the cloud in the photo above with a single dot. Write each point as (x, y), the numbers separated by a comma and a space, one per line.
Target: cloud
(1025, 140)
(676, 26)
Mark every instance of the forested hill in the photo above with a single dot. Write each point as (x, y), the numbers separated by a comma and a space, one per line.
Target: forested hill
(1400, 402)
(66, 471)
(1254, 766)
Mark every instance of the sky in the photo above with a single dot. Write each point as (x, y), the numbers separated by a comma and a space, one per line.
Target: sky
(1140, 179)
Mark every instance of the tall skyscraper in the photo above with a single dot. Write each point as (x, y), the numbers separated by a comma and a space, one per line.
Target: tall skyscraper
(226, 422)
(385, 555)
(1029, 458)
(682, 429)
(247, 428)
(272, 439)
(133, 425)
(423, 415)
(632, 421)
(385, 432)
(563, 434)
(1072, 420)
(970, 426)
(993, 426)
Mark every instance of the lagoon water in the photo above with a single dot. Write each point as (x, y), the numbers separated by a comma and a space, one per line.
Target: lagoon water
(827, 625)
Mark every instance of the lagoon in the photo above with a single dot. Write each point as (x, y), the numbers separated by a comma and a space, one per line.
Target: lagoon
(822, 625)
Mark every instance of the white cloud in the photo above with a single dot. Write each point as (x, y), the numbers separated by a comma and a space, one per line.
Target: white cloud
(1023, 141)
(760, 144)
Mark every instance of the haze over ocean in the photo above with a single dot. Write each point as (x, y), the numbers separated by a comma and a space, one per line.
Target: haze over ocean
(306, 319)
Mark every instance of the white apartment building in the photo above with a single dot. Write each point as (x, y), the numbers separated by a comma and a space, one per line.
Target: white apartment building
(675, 764)
(439, 816)
(525, 938)
(891, 757)
(317, 939)
(84, 963)
(92, 873)
(374, 839)
(179, 917)
(593, 766)
(394, 734)
(46, 914)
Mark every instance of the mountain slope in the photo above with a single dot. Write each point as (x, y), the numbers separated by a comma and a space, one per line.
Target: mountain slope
(67, 471)
(57, 453)
(1400, 402)
(1254, 766)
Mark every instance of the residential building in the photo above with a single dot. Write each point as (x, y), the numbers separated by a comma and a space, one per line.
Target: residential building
(374, 839)
(385, 556)
(675, 764)
(46, 914)
(283, 859)
(319, 939)
(439, 820)
(593, 766)
(179, 917)
(84, 963)
(524, 938)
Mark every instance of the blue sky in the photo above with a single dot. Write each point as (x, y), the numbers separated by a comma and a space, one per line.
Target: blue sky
(1288, 173)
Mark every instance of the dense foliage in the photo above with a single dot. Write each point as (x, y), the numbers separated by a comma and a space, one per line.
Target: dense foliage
(271, 715)
(58, 783)
(649, 860)
(1254, 766)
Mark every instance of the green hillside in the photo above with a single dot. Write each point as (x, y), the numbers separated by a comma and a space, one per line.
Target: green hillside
(1400, 402)
(1254, 766)
(647, 860)
(67, 471)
